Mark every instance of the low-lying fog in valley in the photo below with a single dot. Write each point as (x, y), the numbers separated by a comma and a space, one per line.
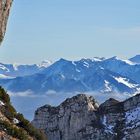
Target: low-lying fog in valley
(51, 83)
(27, 102)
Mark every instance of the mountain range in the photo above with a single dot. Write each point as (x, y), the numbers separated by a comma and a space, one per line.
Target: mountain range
(104, 75)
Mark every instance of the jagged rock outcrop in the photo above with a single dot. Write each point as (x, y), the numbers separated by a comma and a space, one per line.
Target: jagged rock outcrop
(5, 6)
(81, 118)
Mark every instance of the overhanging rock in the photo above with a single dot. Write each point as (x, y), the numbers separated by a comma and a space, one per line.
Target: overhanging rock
(5, 6)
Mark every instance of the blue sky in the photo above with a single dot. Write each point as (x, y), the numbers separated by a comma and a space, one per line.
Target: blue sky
(71, 29)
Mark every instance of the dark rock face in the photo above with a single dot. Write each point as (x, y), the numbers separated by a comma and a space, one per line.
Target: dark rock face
(5, 6)
(81, 118)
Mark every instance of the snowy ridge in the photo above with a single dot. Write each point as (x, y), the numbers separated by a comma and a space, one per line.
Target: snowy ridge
(125, 82)
(135, 59)
(112, 75)
(16, 70)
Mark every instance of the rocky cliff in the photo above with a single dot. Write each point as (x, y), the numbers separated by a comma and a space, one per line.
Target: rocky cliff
(81, 118)
(5, 6)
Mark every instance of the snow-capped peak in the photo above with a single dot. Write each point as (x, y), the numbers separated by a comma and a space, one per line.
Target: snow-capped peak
(3, 67)
(94, 59)
(15, 66)
(45, 63)
(115, 58)
(98, 59)
(129, 62)
(135, 59)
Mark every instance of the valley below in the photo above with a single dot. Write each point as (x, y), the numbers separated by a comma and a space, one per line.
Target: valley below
(94, 98)
(84, 99)
(53, 82)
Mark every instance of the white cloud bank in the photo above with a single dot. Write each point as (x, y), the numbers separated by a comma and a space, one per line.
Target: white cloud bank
(27, 102)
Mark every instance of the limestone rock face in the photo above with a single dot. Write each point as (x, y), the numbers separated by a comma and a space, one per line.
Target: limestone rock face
(5, 6)
(81, 118)
(69, 119)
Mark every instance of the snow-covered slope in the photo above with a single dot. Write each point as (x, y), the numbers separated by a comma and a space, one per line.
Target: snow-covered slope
(15, 70)
(123, 67)
(86, 75)
(2, 76)
(135, 59)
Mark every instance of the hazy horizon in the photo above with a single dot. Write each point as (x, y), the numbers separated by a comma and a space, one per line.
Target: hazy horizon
(53, 61)
(72, 30)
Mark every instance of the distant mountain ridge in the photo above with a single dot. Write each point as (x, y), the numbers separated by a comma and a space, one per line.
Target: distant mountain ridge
(110, 75)
(19, 70)
(135, 59)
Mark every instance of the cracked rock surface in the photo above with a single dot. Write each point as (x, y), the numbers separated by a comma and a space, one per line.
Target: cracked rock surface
(81, 118)
(5, 6)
